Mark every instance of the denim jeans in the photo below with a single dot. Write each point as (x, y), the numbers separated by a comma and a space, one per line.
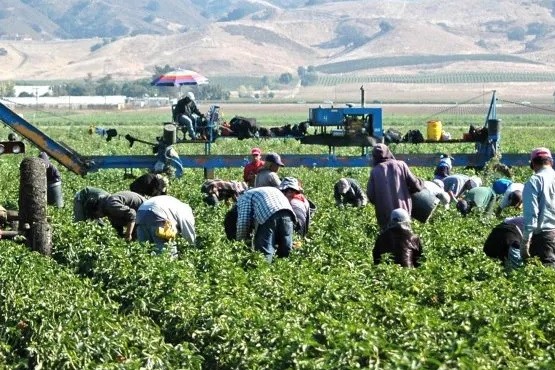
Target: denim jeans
(513, 257)
(147, 233)
(277, 231)
(187, 124)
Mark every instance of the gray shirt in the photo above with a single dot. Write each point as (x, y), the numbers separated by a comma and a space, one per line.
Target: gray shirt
(266, 177)
(538, 199)
(121, 207)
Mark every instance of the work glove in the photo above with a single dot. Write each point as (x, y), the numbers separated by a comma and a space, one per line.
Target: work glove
(525, 249)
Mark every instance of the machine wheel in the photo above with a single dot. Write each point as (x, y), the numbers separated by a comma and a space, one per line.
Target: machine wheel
(32, 205)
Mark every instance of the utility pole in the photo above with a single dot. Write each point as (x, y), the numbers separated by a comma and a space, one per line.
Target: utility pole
(36, 97)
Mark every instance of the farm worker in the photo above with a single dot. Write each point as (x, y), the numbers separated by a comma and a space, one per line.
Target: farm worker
(267, 211)
(399, 240)
(349, 191)
(302, 207)
(443, 168)
(436, 188)
(216, 191)
(121, 210)
(538, 198)
(481, 197)
(267, 174)
(252, 168)
(167, 156)
(390, 184)
(503, 242)
(456, 185)
(161, 218)
(511, 192)
(54, 195)
(186, 115)
(150, 185)
(82, 199)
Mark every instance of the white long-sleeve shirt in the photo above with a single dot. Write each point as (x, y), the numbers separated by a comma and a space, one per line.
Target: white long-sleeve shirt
(513, 187)
(539, 203)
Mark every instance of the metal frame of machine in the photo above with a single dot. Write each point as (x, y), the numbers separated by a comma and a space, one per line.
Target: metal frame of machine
(350, 126)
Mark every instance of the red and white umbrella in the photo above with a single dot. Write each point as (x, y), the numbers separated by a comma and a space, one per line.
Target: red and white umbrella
(180, 77)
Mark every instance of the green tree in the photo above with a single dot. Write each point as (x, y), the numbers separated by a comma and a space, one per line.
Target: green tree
(285, 78)
(106, 86)
(161, 70)
(516, 34)
(7, 88)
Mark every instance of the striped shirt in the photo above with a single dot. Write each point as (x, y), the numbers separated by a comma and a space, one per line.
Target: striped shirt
(256, 206)
(224, 189)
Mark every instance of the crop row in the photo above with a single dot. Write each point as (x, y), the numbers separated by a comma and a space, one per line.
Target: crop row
(410, 60)
(438, 78)
(327, 306)
(221, 306)
(52, 319)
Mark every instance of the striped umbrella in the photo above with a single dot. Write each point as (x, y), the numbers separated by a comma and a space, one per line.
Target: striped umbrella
(180, 77)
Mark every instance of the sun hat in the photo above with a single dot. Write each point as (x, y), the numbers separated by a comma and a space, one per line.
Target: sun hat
(290, 183)
(445, 160)
(343, 186)
(191, 95)
(399, 217)
(274, 158)
(256, 151)
(540, 153)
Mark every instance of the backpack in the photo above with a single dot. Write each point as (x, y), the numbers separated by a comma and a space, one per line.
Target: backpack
(392, 136)
(413, 136)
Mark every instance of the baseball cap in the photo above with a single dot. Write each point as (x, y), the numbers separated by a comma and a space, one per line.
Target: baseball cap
(274, 158)
(255, 151)
(540, 153)
(343, 186)
(290, 183)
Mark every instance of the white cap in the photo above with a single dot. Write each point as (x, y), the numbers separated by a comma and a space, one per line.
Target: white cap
(191, 95)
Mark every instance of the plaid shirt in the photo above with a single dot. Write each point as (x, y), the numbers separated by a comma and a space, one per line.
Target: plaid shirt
(223, 189)
(258, 205)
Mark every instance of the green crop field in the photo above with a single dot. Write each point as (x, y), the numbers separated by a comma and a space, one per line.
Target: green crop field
(102, 303)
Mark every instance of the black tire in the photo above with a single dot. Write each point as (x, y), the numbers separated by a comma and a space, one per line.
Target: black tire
(32, 205)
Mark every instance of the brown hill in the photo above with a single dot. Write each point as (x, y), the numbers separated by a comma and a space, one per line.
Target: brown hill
(278, 39)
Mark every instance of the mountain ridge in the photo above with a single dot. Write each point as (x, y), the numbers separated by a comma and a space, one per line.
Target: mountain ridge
(258, 38)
